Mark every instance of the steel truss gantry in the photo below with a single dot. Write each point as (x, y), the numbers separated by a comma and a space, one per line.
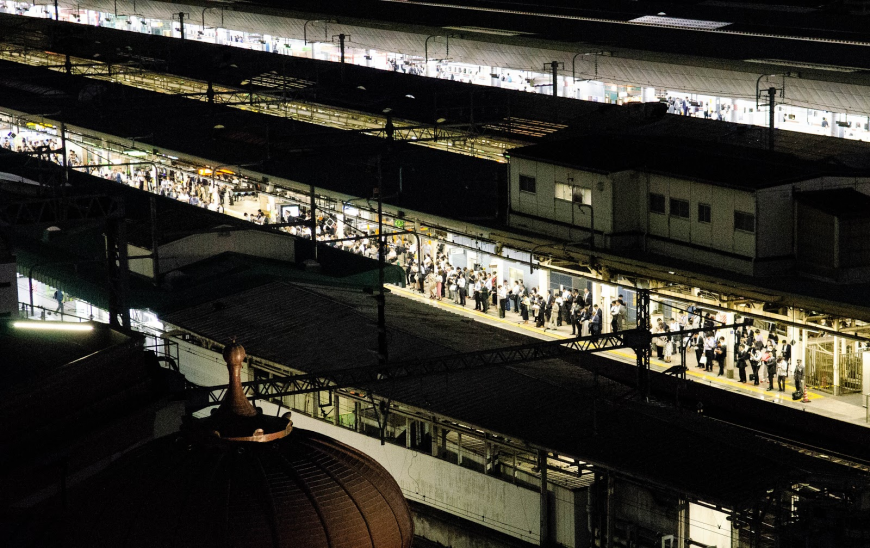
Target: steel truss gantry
(639, 340)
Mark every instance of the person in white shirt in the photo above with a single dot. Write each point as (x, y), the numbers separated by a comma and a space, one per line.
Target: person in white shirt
(614, 316)
(515, 296)
(502, 301)
(675, 328)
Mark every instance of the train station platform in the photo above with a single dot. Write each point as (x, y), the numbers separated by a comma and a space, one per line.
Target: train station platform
(849, 408)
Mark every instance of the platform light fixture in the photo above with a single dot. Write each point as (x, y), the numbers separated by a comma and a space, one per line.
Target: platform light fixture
(53, 326)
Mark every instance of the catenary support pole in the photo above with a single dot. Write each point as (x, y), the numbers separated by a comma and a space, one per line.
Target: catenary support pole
(382, 321)
(555, 67)
(341, 38)
(314, 221)
(155, 244)
(772, 121)
(643, 353)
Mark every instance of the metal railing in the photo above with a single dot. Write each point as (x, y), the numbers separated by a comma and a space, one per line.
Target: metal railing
(850, 373)
(820, 369)
(168, 350)
(30, 312)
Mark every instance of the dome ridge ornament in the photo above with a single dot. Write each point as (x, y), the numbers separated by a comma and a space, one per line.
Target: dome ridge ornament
(236, 420)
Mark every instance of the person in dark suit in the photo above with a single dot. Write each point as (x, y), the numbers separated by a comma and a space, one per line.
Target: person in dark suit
(798, 377)
(768, 360)
(719, 353)
(742, 361)
(697, 343)
(548, 304)
(587, 298)
(785, 351)
(595, 322)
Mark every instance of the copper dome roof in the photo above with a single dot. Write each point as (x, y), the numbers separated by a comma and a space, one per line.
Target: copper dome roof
(304, 490)
(235, 479)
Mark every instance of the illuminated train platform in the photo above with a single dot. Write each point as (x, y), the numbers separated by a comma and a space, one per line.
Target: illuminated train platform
(618, 54)
(279, 160)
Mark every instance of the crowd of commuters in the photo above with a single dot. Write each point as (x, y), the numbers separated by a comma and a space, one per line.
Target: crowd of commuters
(212, 193)
(550, 309)
(769, 359)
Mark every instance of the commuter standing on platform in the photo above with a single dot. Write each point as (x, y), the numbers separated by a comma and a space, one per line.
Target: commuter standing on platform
(709, 347)
(525, 303)
(798, 376)
(478, 286)
(697, 344)
(595, 321)
(516, 296)
(781, 373)
(555, 311)
(623, 312)
(503, 301)
(754, 362)
(720, 352)
(768, 358)
(614, 316)
(742, 362)
(785, 351)
(575, 315)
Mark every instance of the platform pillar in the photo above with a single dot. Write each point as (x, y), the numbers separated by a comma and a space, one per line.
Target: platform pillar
(836, 381)
(729, 346)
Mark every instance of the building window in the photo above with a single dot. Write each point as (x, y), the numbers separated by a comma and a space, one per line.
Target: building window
(744, 221)
(703, 213)
(679, 208)
(582, 195)
(656, 203)
(527, 184)
(570, 193)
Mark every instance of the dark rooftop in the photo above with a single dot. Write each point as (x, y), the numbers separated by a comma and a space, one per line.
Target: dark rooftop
(681, 156)
(843, 203)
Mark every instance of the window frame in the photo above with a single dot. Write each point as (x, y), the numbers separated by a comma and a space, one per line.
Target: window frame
(656, 195)
(747, 215)
(528, 178)
(688, 208)
(709, 218)
(557, 189)
(583, 193)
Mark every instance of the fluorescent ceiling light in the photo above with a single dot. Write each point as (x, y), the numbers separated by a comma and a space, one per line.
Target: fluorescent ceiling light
(136, 153)
(680, 23)
(54, 326)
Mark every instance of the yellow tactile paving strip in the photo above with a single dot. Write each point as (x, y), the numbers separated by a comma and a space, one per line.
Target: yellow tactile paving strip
(725, 383)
